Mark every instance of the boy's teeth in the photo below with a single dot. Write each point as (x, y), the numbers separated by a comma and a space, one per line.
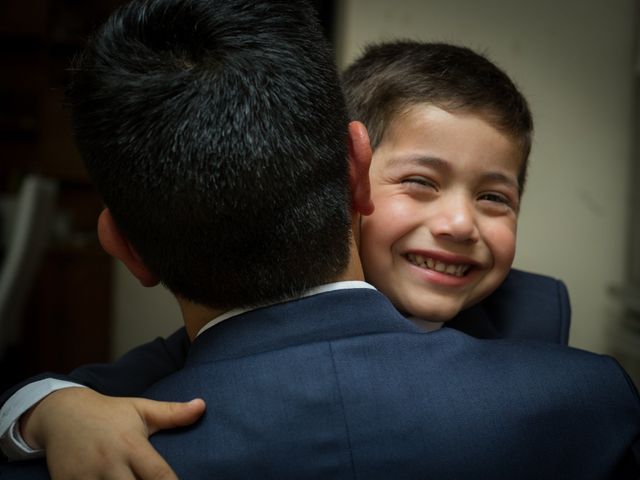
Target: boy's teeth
(438, 266)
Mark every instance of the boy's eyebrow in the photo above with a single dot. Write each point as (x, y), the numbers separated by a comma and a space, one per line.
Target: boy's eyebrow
(438, 163)
(502, 178)
(420, 160)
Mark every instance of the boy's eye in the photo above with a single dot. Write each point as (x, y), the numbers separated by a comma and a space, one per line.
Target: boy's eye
(498, 199)
(494, 197)
(417, 180)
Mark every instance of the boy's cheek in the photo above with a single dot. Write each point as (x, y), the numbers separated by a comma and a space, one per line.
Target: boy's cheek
(503, 250)
(380, 232)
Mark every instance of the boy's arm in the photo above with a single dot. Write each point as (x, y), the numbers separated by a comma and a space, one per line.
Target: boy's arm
(137, 369)
(92, 436)
(18, 404)
(130, 375)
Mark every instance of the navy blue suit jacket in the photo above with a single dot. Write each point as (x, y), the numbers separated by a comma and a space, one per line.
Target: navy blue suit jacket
(339, 385)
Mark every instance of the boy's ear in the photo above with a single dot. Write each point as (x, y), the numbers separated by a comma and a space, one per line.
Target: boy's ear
(116, 244)
(359, 161)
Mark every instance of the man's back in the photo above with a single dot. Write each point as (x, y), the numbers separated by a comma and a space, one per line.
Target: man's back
(338, 385)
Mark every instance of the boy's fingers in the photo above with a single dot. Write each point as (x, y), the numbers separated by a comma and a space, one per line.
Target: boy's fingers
(163, 415)
(147, 464)
(114, 472)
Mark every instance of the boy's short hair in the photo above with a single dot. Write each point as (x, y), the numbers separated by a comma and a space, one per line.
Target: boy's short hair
(390, 77)
(216, 132)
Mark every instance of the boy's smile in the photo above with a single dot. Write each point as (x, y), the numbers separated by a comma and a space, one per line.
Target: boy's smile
(442, 236)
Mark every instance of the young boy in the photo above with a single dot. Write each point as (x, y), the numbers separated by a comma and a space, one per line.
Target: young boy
(451, 136)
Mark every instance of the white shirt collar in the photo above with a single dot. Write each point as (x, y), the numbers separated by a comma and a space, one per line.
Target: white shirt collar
(329, 287)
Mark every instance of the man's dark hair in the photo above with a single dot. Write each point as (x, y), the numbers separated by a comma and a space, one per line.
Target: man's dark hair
(216, 132)
(391, 77)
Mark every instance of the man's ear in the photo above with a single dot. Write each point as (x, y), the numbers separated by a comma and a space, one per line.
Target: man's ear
(117, 245)
(359, 161)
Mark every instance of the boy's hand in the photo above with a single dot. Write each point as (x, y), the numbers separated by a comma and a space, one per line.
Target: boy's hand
(90, 436)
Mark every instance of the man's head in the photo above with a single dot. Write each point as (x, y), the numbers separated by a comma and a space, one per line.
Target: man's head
(216, 133)
(451, 137)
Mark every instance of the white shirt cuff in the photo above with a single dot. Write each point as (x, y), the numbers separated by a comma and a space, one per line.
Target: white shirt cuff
(11, 442)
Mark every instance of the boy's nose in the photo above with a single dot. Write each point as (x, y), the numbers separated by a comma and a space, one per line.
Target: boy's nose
(455, 220)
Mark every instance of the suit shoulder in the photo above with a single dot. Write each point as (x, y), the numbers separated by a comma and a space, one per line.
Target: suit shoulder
(590, 370)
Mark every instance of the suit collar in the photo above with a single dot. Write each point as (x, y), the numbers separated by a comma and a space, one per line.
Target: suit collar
(321, 317)
(328, 287)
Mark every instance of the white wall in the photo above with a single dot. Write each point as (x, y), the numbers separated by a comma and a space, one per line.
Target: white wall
(573, 61)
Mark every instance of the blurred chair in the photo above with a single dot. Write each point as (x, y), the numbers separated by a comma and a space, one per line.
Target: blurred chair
(26, 227)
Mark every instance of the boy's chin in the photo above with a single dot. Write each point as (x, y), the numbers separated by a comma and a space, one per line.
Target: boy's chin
(442, 314)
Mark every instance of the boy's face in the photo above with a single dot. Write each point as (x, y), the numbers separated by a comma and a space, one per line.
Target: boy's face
(443, 233)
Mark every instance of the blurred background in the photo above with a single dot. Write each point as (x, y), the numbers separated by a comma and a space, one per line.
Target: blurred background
(63, 302)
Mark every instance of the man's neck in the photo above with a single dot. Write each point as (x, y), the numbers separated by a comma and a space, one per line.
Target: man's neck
(197, 316)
